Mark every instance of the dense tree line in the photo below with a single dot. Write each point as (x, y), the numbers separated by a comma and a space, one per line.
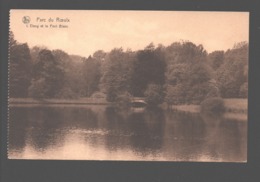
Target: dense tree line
(179, 73)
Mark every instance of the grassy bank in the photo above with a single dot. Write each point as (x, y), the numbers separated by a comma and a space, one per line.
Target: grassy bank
(58, 101)
(186, 108)
(231, 105)
(234, 108)
(236, 105)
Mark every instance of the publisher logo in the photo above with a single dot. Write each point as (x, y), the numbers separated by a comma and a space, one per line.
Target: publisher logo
(26, 19)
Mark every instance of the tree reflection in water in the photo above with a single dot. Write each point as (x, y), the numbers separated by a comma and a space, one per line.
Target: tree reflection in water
(100, 132)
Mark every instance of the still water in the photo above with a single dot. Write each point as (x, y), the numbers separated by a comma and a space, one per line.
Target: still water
(107, 133)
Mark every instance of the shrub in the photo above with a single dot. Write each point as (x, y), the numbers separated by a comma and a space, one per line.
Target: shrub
(67, 93)
(38, 88)
(123, 99)
(154, 95)
(214, 105)
(175, 94)
(111, 95)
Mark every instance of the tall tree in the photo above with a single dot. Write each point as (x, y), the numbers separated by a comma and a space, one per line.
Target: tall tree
(117, 72)
(91, 75)
(154, 94)
(69, 88)
(19, 67)
(34, 51)
(232, 75)
(216, 59)
(47, 74)
(99, 55)
(148, 68)
(188, 73)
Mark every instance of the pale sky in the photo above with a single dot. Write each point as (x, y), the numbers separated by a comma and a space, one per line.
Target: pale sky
(92, 30)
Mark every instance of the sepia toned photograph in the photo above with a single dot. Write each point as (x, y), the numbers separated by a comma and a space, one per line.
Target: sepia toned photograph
(114, 85)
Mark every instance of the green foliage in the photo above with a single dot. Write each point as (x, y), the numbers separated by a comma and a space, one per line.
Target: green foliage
(154, 94)
(214, 105)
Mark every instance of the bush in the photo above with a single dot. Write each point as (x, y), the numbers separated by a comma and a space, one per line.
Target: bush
(38, 89)
(123, 99)
(214, 105)
(175, 94)
(67, 93)
(111, 95)
(154, 95)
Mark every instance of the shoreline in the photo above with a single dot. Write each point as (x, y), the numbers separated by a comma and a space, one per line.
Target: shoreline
(234, 108)
(81, 101)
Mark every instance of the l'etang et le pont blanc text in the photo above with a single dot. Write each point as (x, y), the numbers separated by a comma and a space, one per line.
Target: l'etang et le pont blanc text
(50, 23)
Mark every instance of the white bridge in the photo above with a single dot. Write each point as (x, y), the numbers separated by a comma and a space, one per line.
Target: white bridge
(138, 102)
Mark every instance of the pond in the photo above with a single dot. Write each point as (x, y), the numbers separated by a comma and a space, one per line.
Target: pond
(92, 132)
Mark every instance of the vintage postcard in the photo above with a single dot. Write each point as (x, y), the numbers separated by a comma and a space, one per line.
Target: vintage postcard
(128, 85)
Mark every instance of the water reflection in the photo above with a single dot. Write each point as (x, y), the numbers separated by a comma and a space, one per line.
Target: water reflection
(110, 133)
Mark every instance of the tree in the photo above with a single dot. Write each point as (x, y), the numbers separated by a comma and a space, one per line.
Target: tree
(19, 67)
(148, 68)
(188, 74)
(154, 94)
(38, 88)
(12, 41)
(117, 71)
(177, 73)
(69, 89)
(91, 75)
(47, 73)
(233, 72)
(99, 55)
(216, 59)
(188, 52)
(199, 73)
(176, 94)
(74, 77)
(34, 52)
